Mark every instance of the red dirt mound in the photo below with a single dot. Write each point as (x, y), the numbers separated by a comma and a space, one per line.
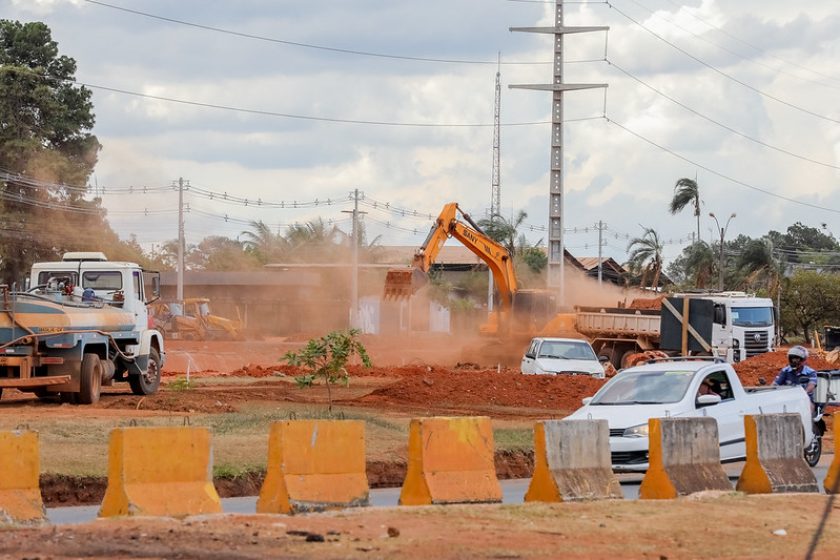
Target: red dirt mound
(768, 366)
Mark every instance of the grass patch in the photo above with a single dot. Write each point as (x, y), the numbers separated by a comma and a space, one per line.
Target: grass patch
(514, 438)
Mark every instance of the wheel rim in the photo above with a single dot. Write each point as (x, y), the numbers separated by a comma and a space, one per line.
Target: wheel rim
(152, 374)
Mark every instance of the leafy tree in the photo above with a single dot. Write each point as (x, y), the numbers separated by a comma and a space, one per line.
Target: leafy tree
(503, 231)
(645, 257)
(329, 355)
(45, 140)
(220, 253)
(799, 239)
(316, 240)
(695, 267)
(686, 191)
(758, 267)
(810, 299)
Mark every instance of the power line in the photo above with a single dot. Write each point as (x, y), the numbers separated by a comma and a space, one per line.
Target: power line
(319, 47)
(734, 53)
(750, 45)
(718, 123)
(722, 73)
(719, 174)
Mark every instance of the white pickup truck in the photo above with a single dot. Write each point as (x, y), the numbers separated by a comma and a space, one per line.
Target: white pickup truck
(664, 388)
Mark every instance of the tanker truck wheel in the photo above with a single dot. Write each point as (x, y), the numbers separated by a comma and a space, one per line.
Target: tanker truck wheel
(90, 381)
(147, 383)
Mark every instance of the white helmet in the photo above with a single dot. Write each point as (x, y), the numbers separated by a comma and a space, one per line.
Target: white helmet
(799, 352)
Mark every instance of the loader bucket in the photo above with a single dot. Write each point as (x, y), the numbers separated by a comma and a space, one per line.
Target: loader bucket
(403, 282)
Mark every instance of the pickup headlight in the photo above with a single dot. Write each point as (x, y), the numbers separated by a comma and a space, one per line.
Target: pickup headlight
(637, 431)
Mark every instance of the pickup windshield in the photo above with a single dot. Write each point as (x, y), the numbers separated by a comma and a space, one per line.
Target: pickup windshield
(752, 316)
(566, 350)
(644, 387)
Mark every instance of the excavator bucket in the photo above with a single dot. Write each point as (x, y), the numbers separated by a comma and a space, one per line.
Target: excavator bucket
(402, 283)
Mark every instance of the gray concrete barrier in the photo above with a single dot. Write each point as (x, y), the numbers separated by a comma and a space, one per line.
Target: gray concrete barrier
(774, 456)
(572, 462)
(684, 458)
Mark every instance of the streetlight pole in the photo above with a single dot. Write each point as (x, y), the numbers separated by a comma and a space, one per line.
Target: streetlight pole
(722, 231)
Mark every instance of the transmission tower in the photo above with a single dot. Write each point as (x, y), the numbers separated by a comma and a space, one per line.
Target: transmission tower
(495, 186)
(556, 257)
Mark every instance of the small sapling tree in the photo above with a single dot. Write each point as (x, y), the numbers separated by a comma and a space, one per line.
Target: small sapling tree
(328, 356)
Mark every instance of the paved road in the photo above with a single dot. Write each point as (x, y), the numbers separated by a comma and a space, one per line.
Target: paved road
(513, 493)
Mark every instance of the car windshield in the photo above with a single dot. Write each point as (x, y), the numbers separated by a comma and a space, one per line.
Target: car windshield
(644, 387)
(752, 316)
(566, 350)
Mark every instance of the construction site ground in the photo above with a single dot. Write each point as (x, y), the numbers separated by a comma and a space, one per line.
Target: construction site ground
(237, 389)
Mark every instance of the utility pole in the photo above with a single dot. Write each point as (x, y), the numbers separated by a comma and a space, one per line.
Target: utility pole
(722, 231)
(601, 227)
(556, 250)
(180, 288)
(495, 179)
(354, 280)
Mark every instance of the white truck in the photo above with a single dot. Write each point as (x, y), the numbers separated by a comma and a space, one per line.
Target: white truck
(82, 323)
(730, 325)
(552, 356)
(670, 388)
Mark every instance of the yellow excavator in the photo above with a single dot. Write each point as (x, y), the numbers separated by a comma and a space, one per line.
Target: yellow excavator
(519, 312)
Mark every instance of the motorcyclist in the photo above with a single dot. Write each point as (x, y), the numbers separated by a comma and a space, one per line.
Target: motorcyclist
(796, 368)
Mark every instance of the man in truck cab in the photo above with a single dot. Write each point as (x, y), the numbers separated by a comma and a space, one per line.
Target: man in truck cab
(796, 368)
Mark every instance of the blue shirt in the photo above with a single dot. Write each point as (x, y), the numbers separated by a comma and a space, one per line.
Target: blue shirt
(790, 376)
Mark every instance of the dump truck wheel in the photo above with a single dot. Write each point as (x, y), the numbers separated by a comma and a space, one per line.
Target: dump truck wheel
(147, 383)
(67, 397)
(90, 381)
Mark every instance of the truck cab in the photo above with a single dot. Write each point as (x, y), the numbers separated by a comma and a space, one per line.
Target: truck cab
(742, 325)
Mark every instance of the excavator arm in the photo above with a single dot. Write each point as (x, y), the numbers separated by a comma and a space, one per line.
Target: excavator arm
(402, 283)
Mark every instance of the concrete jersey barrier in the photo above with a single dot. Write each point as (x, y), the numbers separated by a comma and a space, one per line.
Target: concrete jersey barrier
(572, 462)
(20, 468)
(684, 458)
(160, 472)
(774, 456)
(450, 460)
(314, 465)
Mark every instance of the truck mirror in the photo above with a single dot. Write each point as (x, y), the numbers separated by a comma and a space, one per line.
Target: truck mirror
(708, 400)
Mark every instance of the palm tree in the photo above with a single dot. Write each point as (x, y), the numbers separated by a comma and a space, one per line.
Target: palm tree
(314, 237)
(758, 265)
(687, 192)
(263, 243)
(503, 231)
(646, 256)
(700, 263)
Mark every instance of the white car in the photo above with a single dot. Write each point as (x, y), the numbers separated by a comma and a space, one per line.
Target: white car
(663, 388)
(550, 356)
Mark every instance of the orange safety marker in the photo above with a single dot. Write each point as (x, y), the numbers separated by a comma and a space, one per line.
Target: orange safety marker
(774, 456)
(450, 460)
(160, 472)
(572, 462)
(314, 465)
(20, 468)
(684, 458)
(831, 484)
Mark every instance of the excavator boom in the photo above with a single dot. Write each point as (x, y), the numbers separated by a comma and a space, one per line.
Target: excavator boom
(404, 282)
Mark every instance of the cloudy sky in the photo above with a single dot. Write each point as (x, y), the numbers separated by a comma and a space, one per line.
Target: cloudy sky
(295, 101)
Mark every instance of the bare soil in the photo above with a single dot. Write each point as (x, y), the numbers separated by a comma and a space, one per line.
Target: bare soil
(236, 388)
(712, 525)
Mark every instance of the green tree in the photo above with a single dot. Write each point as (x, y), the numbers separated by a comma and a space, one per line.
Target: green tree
(686, 191)
(313, 241)
(645, 257)
(810, 299)
(506, 233)
(264, 244)
(757, 266)
(329, 355)
(45, 141)
(695, 267)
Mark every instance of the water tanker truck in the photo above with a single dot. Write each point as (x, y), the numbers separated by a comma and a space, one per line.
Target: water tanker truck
(83, 323)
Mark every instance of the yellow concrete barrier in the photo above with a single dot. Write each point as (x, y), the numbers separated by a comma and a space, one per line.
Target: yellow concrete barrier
(314, 465)
(450, 460)
(20, 467)
(160, 472)
(572, 462)
(774, 456)
(832, 477)
(684, 458)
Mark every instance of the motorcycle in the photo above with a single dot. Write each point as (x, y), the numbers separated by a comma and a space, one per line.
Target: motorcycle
(814, 450)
